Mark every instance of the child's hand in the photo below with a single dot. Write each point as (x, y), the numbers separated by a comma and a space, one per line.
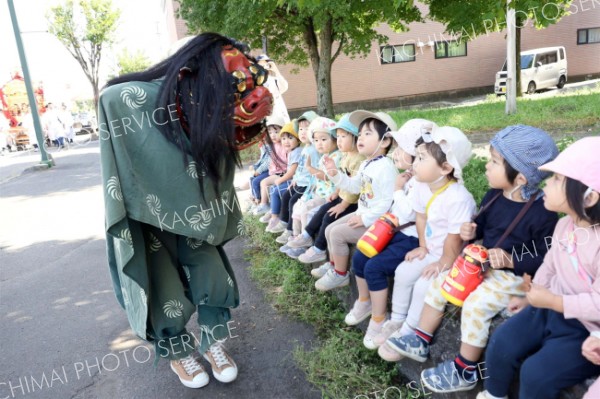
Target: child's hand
(417, 253)
(431, 270)
(516, 304)
(526, 285)
(467, 231)
(329, 166)
(355, 221)
(333, 197)
(540, 297)
(336, 210)
(591, 349)
(255, 174)
(401, 180)
(500, 259)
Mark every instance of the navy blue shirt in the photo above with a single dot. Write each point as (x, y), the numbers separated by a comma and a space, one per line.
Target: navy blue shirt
(529, 240)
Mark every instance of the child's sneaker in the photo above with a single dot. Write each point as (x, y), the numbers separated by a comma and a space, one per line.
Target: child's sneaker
(389, 327)
(410, 346)
(312, 256)
(223, 367)
(445, 378)
(190, 372)
(359, 312)
(283, 238)
(294, 253)
(332, 280)
(271, 225)
(373, 330)
(266, 218)
(261, 209)
(388, 354)
(301, 242)
(321, 270)
(279, 228)
(284, 249)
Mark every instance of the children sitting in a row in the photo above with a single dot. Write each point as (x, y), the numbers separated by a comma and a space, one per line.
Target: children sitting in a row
(515, 218)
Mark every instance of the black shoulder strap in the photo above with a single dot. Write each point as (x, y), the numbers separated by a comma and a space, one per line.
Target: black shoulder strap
(517, 219)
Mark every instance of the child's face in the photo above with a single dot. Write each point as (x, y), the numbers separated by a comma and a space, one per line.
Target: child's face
(368, 142)
(495, 171)
(425, 167)
(555, 196)
(303, 130)
(402, 159)
(323, 142)
(345, 140)
(289, 142)
(274, 133)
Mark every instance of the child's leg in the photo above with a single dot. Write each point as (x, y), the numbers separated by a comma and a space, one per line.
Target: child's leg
(489, 299)
(276, 194)
(310, 210)
(320, 238)
(514, 340)
(284, 212)
(296, 194)
(256, 184)
(558, 364)
(342, 235)
(264, 188)
(432, 314)
(329, 229)
(405, 277)
(314, 226)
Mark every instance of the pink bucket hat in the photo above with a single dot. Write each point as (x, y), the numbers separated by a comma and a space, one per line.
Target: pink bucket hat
(580, 161)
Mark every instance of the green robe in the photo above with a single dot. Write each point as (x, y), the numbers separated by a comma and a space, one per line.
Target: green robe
(164, 239)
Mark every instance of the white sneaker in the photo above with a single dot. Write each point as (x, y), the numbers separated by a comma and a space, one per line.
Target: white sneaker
(261, 209)
(332, 280)
(271, 225)
(312, 256)
(294, 253)
(301, 242)
(321, 270)
(223, 367)
(373, 330)
(266, 218)
(279, 228)
(190, 372)
(359, 312)
(487, 395)
(283, 238)
(389, 327)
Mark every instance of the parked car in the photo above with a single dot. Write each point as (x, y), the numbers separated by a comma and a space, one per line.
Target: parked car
(540, 68)
(84, 123)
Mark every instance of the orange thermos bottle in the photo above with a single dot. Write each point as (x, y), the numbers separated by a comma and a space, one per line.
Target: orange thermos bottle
(466, 274)
(375, 239)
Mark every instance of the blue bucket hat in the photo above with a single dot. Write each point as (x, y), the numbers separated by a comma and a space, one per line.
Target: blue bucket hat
(345, 124)
(308, 116)
(526, 148)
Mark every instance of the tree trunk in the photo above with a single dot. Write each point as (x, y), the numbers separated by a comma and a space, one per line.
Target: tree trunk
(518, 56)
(319, 51)
(96, 97)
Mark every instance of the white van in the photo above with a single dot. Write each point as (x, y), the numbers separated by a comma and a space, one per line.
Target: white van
(540, 68)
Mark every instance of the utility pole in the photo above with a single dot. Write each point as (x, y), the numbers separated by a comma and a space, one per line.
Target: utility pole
(30, 94)
(511, 78)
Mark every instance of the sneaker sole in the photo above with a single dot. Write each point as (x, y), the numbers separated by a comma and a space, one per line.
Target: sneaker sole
(358, 321)
(370, 344)
(191, 384)
(388, 357)
(406, 354)
(317, 275)
(325, 289)
(437, 390)
(220, 377)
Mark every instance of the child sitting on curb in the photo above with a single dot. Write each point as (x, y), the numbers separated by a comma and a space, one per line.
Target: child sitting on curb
(375, 183)
(320, 188)
(300, 181)
(512, 172)
(372, 273)
(442, 205)
(544, 340)
(340, 203)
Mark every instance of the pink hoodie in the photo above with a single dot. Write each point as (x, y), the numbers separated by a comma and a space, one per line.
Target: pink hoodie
(580, 288)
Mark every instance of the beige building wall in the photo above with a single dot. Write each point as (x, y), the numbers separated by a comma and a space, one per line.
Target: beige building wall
(365, 79)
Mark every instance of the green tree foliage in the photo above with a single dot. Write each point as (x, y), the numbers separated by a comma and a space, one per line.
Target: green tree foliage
(468, 19)
(132, 62)
(303, 31)
(85, 27)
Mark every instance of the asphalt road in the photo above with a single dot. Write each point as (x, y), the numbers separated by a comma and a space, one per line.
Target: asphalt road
(62, 332)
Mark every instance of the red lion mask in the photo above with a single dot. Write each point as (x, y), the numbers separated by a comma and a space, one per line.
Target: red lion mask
(253, 102)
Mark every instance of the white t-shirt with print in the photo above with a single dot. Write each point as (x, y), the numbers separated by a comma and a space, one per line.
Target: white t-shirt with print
(402, 207)
(448, 211)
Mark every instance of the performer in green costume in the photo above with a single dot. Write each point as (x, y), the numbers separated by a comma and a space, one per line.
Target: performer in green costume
(169, 141)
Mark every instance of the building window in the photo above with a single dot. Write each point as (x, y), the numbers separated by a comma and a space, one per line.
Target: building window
(588, 36)
(396, 54)
(450, 49)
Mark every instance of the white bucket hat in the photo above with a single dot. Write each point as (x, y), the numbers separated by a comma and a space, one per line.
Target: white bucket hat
(410, 132)
(455, 145)
(357, 117)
